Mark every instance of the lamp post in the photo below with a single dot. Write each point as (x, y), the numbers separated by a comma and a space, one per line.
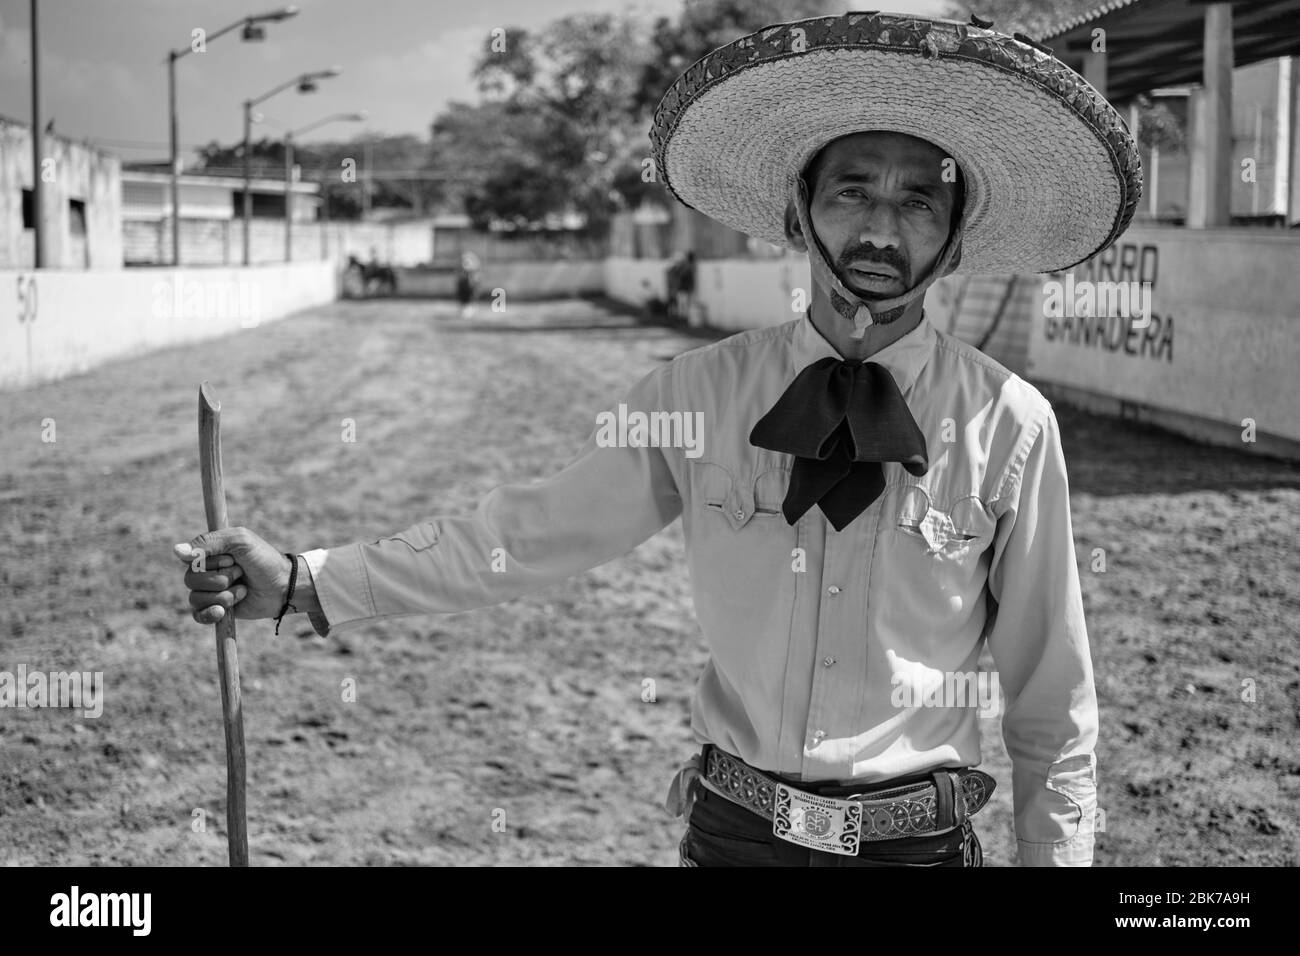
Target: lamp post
(252, 32)
(40, 235)
(288, 170)
(306, 83)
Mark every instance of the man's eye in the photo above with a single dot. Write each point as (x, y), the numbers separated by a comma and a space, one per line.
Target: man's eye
(920, 202)
(852, 189)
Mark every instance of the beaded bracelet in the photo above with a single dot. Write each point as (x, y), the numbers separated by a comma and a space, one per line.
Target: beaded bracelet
(293, 581)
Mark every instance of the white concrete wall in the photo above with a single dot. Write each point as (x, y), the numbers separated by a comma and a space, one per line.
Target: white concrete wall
(1222, 347)
(79, 173)
(58, 323)
(1222, 344)
(636, 281)
(221, 241)
(404, 243)
(524, 280)
(560, 277)
(731, 294)
(737, 294)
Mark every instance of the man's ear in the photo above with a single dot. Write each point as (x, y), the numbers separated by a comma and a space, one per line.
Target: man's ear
(792, 230)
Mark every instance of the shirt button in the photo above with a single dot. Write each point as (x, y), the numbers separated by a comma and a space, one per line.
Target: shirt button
(829, 661)
(817, 737)
(740, 515)
(834, 589)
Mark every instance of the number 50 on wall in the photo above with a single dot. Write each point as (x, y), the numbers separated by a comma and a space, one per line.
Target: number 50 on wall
(26, 297)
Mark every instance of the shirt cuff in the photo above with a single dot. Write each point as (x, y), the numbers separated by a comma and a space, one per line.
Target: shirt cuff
(1076, 851)
(342, 587)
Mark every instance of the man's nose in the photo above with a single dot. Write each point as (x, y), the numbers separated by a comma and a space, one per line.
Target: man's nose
(879, 226)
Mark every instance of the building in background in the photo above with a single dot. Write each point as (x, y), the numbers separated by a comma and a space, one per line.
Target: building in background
(558, 238)
(84, 197)
(146, 194)
(211, 216)
(1265, 161)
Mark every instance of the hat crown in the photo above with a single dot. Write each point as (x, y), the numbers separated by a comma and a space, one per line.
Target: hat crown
(967, 65)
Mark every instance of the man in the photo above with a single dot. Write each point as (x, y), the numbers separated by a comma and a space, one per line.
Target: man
(872, 503)
(466, 277)
(686, 289)
(673, 286)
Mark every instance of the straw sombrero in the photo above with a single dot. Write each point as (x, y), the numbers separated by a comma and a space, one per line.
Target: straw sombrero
(1052, 174)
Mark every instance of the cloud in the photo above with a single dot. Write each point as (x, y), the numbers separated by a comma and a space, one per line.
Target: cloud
(410, 88)
(15, 50)
(75, 79)
(100, 80)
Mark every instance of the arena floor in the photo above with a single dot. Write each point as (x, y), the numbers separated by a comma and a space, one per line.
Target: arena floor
(534, 708)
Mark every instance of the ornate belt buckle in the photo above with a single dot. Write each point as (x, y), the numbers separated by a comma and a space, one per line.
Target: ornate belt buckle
(820, 823)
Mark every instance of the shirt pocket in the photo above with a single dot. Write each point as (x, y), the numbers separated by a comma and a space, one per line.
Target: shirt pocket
(958, 533)
(740, 553)
(931, 572)
(722, 493)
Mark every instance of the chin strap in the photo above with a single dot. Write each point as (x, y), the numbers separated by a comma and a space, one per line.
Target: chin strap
(850, 306)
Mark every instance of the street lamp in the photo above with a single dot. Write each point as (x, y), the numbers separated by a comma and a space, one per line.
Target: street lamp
(306, 83)
(288, 169)
(252, 31)
(40, 234)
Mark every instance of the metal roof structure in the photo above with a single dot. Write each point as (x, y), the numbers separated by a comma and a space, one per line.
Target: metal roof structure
(1158, 43)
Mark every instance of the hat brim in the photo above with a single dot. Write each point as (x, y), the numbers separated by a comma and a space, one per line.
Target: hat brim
(1052, 174)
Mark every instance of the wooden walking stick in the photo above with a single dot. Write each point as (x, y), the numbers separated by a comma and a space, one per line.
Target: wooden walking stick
(232, 707)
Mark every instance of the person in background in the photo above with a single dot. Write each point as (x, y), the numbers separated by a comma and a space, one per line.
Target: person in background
(672, 282)
(685, 294)
(466, 279)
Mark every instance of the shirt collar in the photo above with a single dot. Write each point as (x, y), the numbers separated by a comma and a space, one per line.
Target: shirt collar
(904, 358)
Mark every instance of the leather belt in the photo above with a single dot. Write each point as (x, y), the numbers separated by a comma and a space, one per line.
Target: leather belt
(938, 805)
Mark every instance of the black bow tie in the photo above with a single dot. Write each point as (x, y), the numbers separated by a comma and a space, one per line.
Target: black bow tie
(841, 420)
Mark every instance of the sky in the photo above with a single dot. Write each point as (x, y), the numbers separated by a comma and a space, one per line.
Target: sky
(104, 74)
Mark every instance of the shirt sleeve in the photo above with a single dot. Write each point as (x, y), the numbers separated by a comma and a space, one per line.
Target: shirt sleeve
(1039, 644)
(521, 537)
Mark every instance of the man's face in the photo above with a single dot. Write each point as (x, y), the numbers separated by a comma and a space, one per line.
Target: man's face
(882, 209)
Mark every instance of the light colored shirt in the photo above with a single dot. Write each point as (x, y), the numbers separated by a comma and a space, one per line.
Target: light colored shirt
(825, 646)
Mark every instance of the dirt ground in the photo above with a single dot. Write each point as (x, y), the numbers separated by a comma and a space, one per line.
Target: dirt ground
(534, 708)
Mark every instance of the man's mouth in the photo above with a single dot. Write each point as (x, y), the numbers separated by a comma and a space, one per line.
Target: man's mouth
(871, 276)
(872, 270)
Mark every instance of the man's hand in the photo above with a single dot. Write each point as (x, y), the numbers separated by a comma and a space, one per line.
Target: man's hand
(216, 560)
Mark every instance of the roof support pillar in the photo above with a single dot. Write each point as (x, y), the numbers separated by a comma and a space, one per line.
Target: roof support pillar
(1209, 202)
(1094, 71)
(1288, 138)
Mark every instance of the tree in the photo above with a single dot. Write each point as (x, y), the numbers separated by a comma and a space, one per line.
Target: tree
(702, 27)
(401, 178)
(501, 161)
(567, 112)
(562, 98)
(266, 158)
(705, 25)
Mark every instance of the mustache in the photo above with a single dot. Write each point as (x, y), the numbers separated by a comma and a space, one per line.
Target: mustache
(888, 257)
